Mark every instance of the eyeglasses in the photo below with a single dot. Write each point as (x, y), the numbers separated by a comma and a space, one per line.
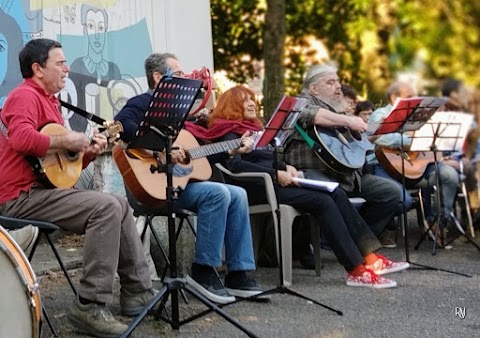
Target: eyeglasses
(178, 73)
(365, 113)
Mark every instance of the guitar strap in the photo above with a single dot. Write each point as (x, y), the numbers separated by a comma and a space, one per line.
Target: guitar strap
(310, 142)
(88, 116)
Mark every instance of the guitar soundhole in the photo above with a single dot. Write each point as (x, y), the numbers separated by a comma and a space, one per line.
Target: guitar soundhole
(187, 158)
(71, 155)
(356, 135)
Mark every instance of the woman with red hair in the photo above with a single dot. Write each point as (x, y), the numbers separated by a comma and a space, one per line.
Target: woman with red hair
(350, 238)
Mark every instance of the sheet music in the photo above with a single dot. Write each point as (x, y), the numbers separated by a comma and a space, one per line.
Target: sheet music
(316, 184)
(401, 109)
(424, 111)
(407, 114)
(451, 129)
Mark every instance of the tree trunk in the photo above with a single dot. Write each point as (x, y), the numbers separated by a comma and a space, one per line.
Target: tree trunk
(273, 51)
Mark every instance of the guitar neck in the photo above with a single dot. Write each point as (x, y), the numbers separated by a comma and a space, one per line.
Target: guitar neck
(214, 148)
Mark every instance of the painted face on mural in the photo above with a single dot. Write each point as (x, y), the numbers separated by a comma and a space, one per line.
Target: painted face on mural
(95, 29)
(3, 57)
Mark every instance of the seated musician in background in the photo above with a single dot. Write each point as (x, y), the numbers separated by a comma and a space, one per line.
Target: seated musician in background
(459, 101)
(321, 87)
(364, 109)
(447, 175)
(350, 97)
(349, 236)
(222, 209)
(111, 243)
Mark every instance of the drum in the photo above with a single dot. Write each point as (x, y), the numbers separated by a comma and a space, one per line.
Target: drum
(20, 307)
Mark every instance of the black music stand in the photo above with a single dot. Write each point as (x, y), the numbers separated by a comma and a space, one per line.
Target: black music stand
(275, 134)
(169, 107)
(410, 114)
(443, 134)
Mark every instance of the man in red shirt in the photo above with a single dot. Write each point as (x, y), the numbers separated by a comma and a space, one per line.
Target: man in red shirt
(111, 242)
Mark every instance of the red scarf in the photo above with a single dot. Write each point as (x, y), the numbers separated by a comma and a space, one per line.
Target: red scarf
(220, 128)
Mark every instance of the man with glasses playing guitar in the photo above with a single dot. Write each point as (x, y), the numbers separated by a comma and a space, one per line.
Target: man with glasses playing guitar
(222, 209)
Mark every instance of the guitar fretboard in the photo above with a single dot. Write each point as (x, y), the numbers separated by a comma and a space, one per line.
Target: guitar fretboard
(213, 148)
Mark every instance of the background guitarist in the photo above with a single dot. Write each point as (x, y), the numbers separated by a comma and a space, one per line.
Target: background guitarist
(448, 175)
(321, 86)
(222, 209)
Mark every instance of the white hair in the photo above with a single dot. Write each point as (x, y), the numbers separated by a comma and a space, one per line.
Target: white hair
(316, 72)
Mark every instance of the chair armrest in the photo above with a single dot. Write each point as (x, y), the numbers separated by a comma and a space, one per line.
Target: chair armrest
(269, 189)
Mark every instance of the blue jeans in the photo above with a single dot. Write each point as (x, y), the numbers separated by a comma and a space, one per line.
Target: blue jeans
(223, 217)
(449, 181)
(379, 171)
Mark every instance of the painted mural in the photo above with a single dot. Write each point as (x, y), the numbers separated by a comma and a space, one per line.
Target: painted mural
(104, 72)
(106, 61)
(18, 24)
(105, 43)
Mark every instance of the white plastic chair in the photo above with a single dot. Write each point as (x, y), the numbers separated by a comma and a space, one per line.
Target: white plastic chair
(287, 216)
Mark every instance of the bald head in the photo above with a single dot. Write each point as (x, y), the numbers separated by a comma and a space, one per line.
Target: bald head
(400, 89)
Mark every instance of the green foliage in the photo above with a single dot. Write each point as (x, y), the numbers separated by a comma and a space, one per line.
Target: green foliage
(237, 36)
(371, 40)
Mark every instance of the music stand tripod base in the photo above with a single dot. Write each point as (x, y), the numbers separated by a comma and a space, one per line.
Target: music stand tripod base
(281, 123)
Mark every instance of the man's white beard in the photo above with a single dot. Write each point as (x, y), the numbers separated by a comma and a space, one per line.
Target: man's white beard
(340, 105)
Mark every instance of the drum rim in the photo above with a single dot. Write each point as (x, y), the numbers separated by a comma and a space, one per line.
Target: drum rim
(25, 271)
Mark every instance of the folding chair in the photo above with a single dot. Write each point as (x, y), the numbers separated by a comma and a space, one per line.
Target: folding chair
(149, 213)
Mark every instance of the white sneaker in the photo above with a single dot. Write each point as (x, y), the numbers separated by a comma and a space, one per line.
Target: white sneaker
(25, 237)
(370, 279)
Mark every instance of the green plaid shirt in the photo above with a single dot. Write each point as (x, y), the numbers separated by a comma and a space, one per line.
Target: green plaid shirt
(300, 155)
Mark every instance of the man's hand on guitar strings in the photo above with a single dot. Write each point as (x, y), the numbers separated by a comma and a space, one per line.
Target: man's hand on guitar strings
(178, 155)
(74, 141)
(356, 123)
(97, 146)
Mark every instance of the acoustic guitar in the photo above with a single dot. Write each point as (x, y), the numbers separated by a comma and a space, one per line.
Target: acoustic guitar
(63, 169)
(342, 149)
(415, 163)
(149, 186)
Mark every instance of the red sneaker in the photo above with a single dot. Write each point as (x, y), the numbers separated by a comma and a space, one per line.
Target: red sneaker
(370, 279)
(383, 266)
